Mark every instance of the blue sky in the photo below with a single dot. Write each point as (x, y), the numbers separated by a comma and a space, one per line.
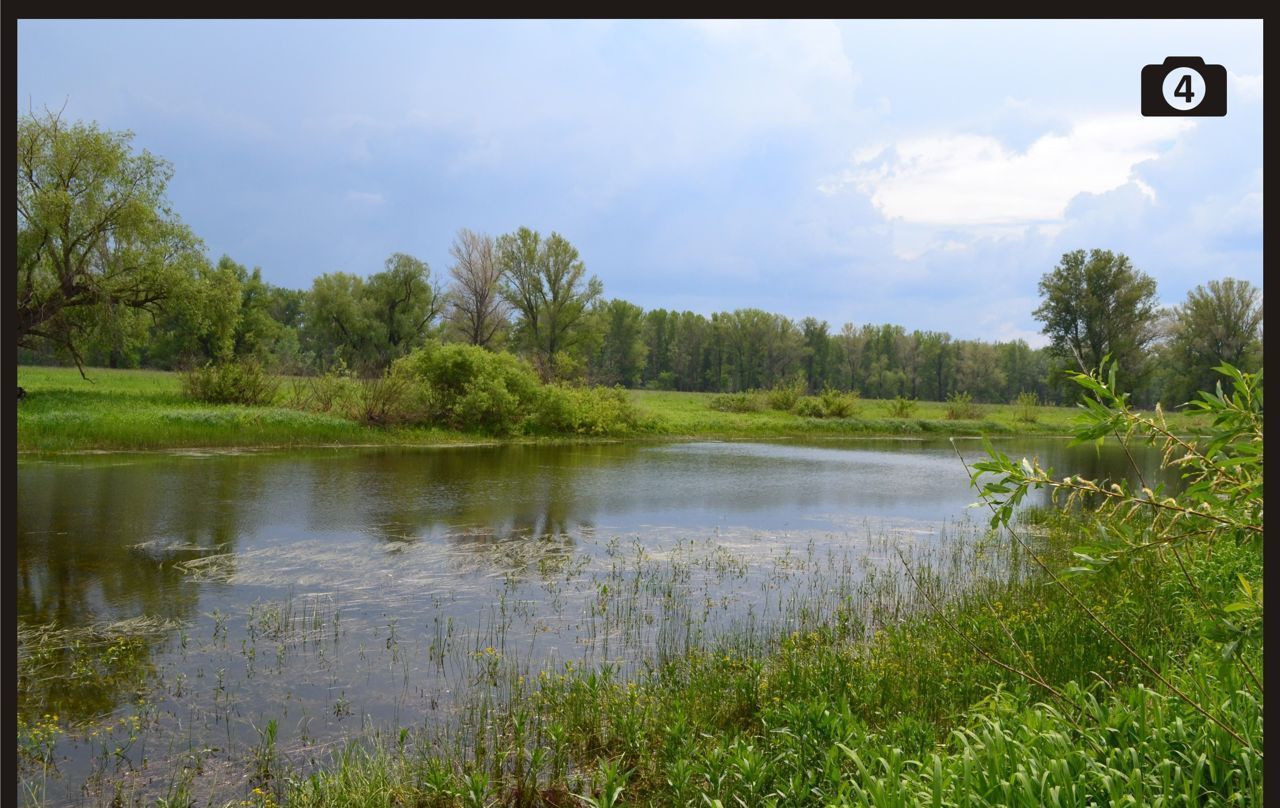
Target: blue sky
(921, 173)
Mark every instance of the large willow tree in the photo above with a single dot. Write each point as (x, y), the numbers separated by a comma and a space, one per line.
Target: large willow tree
(96, 238)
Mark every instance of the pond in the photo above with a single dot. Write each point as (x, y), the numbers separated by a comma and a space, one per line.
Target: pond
(172, 606)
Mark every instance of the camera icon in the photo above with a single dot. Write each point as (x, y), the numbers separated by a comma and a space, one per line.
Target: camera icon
(1184, 85)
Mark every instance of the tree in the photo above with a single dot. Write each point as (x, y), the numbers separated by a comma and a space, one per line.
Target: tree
(95, 232)
(852, 345)
(620, 357)
(817, 349)
(658, 334)
(544, 282)
(477, 310)
(201, 323)
(336, 323)
(1218, 323)
(1099, 305)
(937, 360)
(978, 371)
(760, 348)
(910, 351)
(690, 351)
(403, 301)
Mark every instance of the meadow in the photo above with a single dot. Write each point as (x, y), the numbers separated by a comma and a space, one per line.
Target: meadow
(146, 410)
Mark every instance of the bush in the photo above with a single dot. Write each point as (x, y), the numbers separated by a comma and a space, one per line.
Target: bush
(332, 391)
(810, 407)
(585, 411)
(830, 403)
(960, 407)
(836, 404)
(468, 388)
(737, 402)
(784, 396)
(1024, 408)
(385, 401)
(241, 381)
(902, 407)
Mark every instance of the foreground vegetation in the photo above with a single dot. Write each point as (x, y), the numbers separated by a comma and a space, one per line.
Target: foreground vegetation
(148, 410)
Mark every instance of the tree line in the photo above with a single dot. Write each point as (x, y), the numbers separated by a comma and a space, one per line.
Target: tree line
(109, 276)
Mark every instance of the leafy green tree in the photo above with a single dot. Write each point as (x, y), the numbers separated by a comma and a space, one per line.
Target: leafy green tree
(817, 353)
(978, 371)
(937, 362)
(1219, 323)
(403, 301)
(910, 350)
(620, 358)
(1097, 305)
(200, 323)
(658, 333)
(118, 340)
(95, 233)
(883, 376)
(545, 283)
(337, 326)
(851, 345)
(760, 348)
(690, 351)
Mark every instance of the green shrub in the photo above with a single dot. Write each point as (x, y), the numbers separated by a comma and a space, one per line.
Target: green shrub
(784, 396)
(960, 407)
(737, 402)
(1024, 407)
(468, 388)
(241, 381)
(902, 407)
(836, 404)
(810, 407)
(585, 411)
(830, 403)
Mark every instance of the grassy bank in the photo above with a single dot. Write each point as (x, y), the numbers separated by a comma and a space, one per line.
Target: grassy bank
(145, 410)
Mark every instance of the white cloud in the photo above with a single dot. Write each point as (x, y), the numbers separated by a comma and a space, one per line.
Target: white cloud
(1146, 189)
(966, 180)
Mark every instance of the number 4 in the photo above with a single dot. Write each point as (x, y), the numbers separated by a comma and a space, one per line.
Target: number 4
(1183, 89)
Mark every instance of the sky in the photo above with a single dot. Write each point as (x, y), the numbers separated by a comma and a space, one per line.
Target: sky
(919, 173)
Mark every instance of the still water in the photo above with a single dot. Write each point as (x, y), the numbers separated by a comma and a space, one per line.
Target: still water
(170, 605)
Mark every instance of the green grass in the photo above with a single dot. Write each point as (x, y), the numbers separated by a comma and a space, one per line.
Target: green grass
(146, 410)
(691, 415)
